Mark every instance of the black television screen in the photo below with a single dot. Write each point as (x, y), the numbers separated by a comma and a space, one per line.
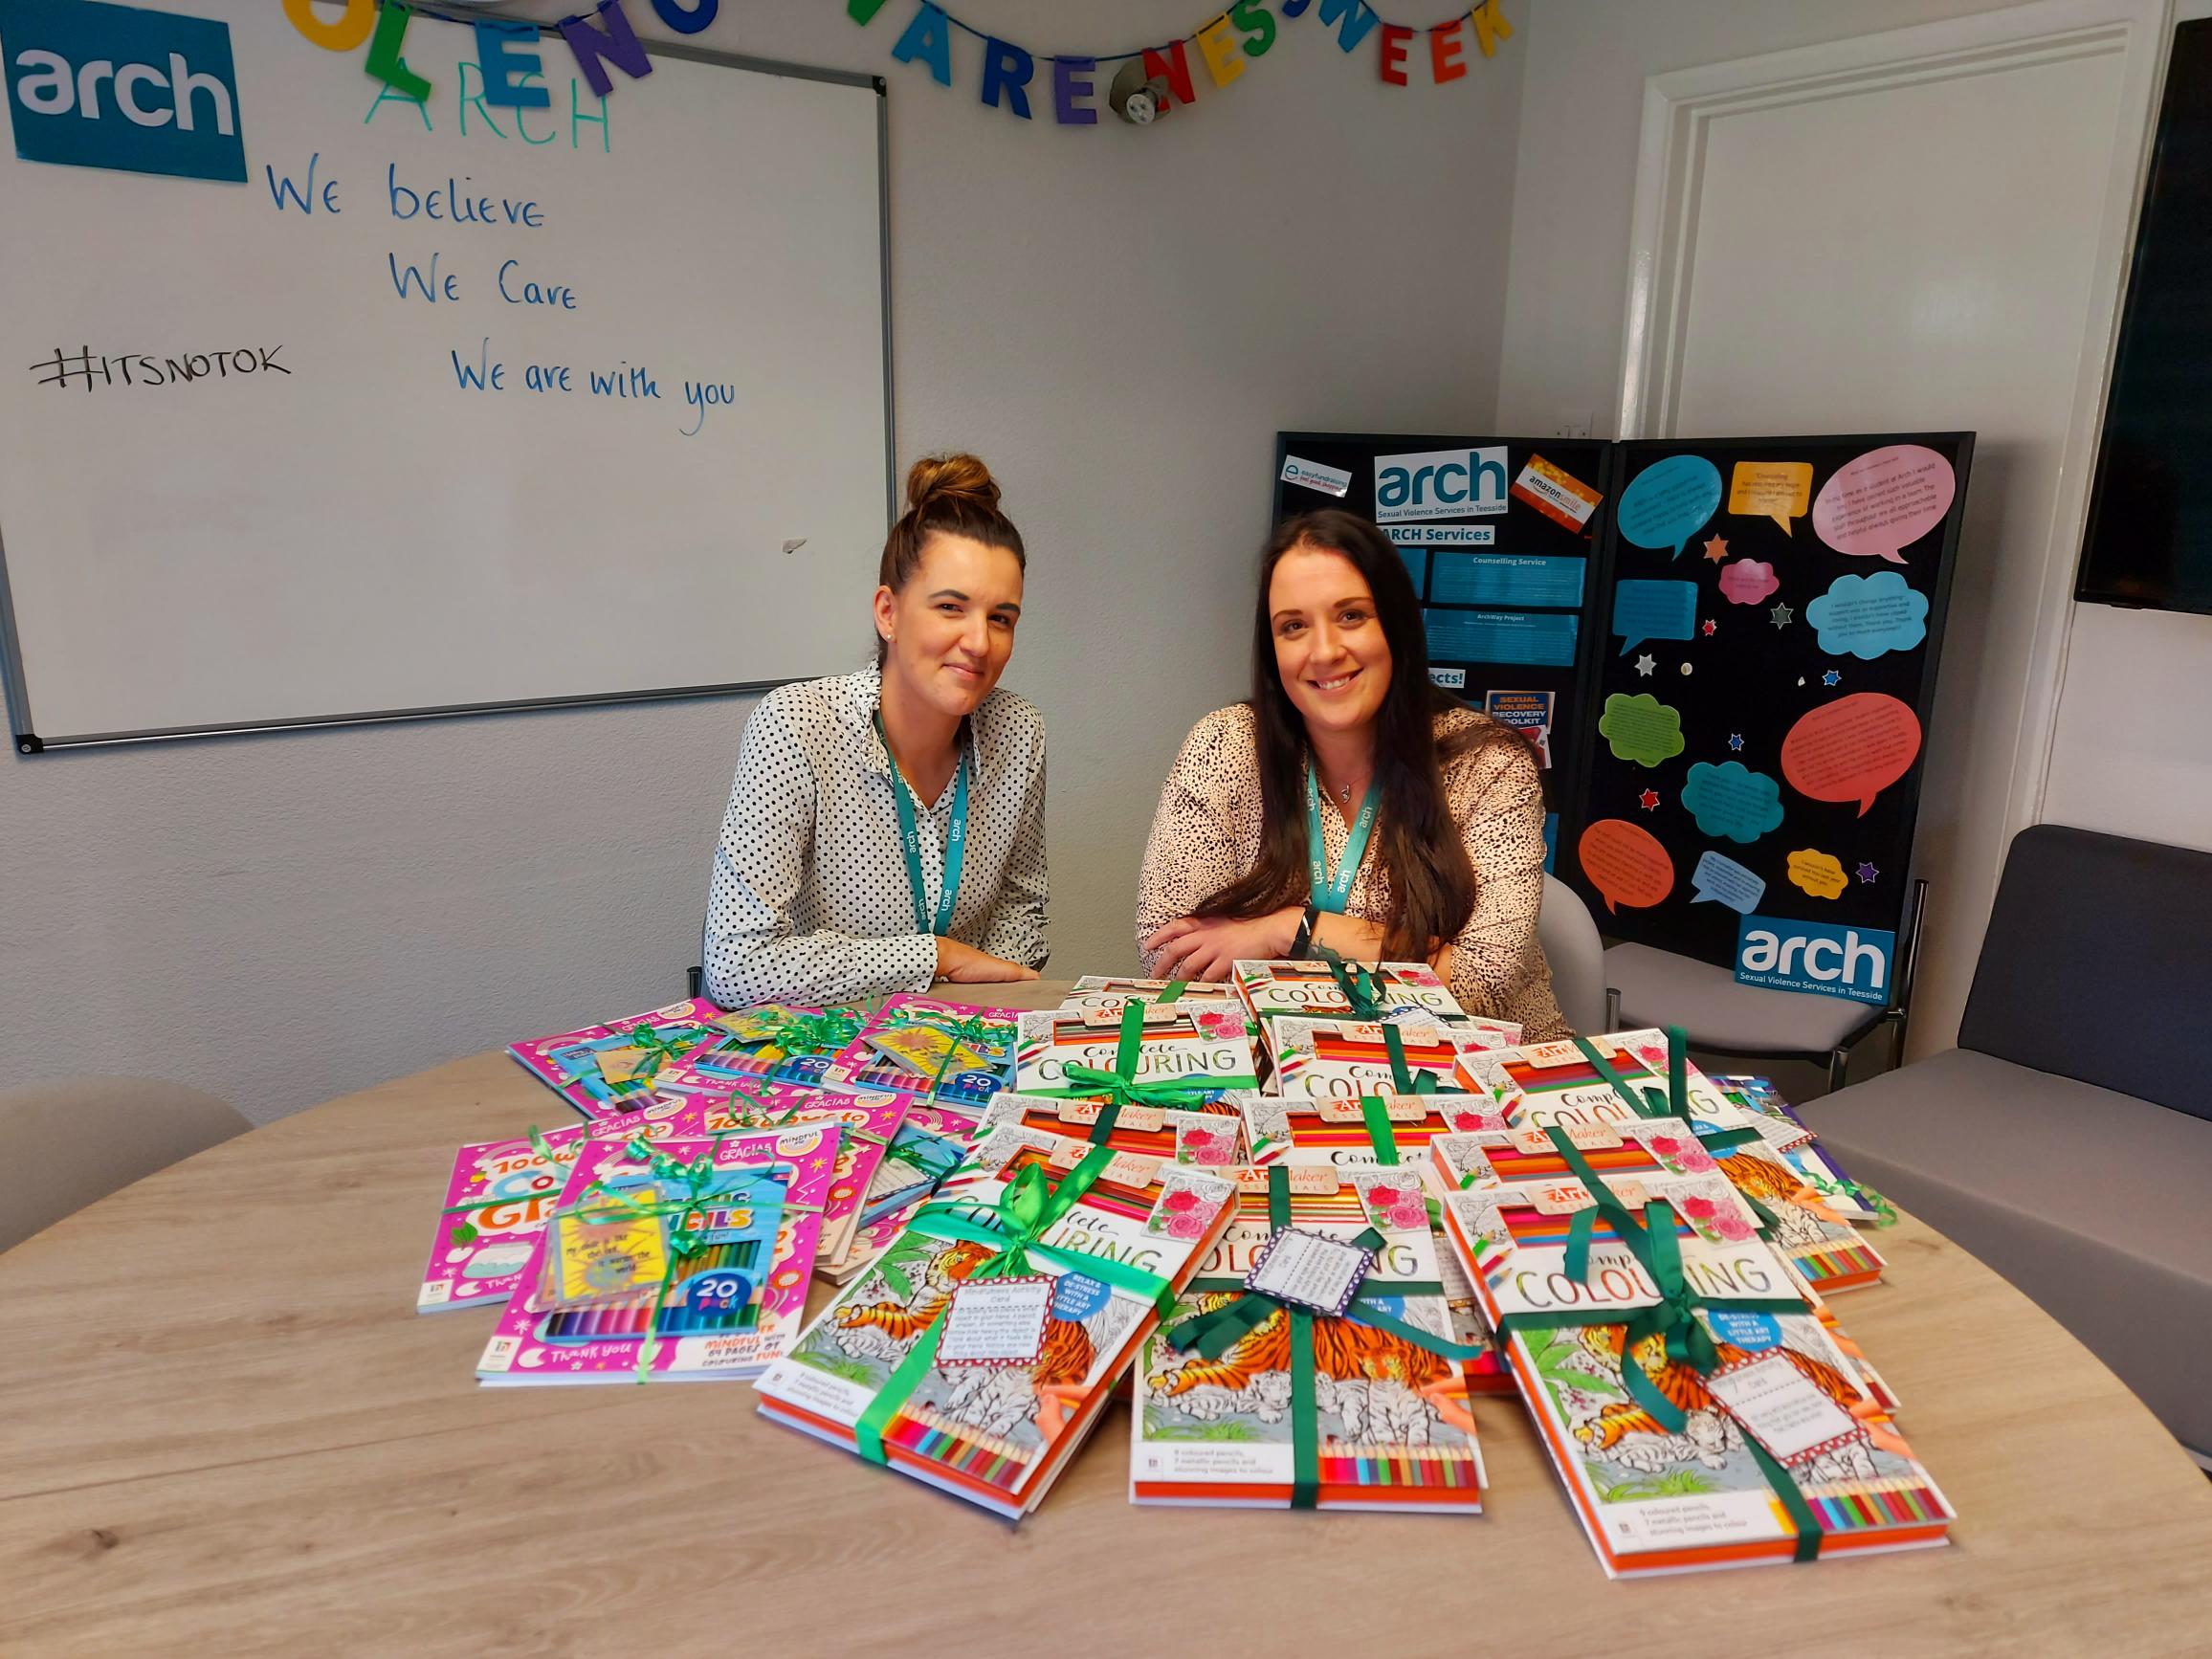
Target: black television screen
(2149, 537)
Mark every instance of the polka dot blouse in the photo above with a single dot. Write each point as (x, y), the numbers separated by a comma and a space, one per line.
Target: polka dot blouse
(1206, 833)
(810, 902)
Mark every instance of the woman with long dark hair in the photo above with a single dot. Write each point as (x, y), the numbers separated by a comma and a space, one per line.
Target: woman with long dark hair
(886, 827)
(1349, 801)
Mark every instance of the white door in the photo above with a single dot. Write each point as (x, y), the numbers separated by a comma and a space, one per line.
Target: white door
(1912, 231)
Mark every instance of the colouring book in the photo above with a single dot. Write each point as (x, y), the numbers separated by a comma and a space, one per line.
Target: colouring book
(724, 1310)
(989, 1416)
(1774, 1447)
(955, 1052)
(1390, 1427)
(603, 1069)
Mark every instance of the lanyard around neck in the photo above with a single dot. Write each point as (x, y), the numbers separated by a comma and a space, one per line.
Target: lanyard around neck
(910, 839)
(1333, 893)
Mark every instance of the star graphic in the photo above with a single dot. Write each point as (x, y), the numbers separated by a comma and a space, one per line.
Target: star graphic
(1646, 663)
(1782, 614)
(1648, 799)
(1715, 549)
(1832, 677)
(1736, 739)
(1709, 627)
(1868, 873)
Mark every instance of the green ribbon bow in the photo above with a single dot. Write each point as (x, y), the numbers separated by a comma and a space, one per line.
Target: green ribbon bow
(974, 1032)
(1121, 1086)
(798, 1034)
(1673, 1319)
(1213, 1333)
(1025, 1209)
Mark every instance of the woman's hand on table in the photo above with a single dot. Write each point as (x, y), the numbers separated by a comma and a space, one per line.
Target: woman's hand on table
(1195, 947)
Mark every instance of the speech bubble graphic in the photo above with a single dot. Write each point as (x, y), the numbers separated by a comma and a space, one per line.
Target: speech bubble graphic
(1817, 873)
(1777, 490)
(1641, 728)
(1851, 749)
(1643, 609)
(1863, 616)
(1626, 863)
(1669, 502)
(1733, 800)
(1747, 582)
(1883, 501)
(1720, 880)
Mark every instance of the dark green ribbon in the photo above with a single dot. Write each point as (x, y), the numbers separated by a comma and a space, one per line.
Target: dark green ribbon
(1030, 1205)
(1401, 1073)
(1651, 1241)
(1355, 984)
(1213, 1333)
(1121, 1086)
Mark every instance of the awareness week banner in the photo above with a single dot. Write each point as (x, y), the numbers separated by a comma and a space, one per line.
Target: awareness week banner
(1740, 725)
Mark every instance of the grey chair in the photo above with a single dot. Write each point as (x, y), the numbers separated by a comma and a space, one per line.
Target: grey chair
(71, 1143)
(2066, 1140)
(1571, 945)
(1649, 987)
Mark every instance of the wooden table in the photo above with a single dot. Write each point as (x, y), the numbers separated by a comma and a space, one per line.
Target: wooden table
(224, 1430)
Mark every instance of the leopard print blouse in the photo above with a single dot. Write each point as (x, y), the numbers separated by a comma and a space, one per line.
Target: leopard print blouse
(1206, 833)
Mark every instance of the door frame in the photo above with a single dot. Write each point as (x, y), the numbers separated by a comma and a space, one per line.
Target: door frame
(1678, 108)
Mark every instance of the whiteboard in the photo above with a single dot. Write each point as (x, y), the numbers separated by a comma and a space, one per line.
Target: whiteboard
(350, 528)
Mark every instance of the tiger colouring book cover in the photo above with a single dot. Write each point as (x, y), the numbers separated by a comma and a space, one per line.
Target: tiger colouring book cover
(1654, 1497)
(1392, 1427)
(998, 1433)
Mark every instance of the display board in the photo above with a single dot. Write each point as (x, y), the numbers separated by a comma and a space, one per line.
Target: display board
(1737, 639)
(1773, 623)
(1499, 535)
(400, 406)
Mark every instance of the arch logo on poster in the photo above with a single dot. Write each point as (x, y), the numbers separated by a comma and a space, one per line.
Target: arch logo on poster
(1440, 484)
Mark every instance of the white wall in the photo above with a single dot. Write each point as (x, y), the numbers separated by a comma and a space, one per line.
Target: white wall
(2132, 751)
(1574, 170)
(1117, 321)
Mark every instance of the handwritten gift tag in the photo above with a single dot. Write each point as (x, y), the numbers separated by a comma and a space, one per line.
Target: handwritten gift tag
(1310, 1270)
(1775, 1401)
(996, 1322)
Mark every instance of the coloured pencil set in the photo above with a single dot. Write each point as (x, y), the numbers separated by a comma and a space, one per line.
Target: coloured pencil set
(1311, 1214)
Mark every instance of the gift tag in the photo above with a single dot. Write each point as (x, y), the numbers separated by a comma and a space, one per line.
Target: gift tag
(618, 1066)
(1779, 1404)
(1310, 1270)
(996, 1322)
(604, 1250)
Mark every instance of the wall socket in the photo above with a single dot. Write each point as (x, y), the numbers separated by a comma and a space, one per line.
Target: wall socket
(1571, 423)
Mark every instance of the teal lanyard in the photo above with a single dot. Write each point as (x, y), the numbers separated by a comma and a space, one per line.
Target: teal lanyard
(910, 840)
(1333, 893)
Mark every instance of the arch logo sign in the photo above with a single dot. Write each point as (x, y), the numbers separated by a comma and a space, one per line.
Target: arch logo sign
(1440, 484)
(92, 85)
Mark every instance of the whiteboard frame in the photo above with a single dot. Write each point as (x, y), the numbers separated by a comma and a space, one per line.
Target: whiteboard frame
(27, 741)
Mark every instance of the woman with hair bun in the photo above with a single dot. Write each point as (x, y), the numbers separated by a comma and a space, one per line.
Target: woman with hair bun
(886, 827)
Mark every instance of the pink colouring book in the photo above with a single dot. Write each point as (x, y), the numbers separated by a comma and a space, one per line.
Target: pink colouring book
(603, 1069)
(478, 1256)
(727, 1310)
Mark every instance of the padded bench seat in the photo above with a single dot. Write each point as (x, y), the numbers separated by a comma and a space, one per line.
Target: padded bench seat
(2090, 1201)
